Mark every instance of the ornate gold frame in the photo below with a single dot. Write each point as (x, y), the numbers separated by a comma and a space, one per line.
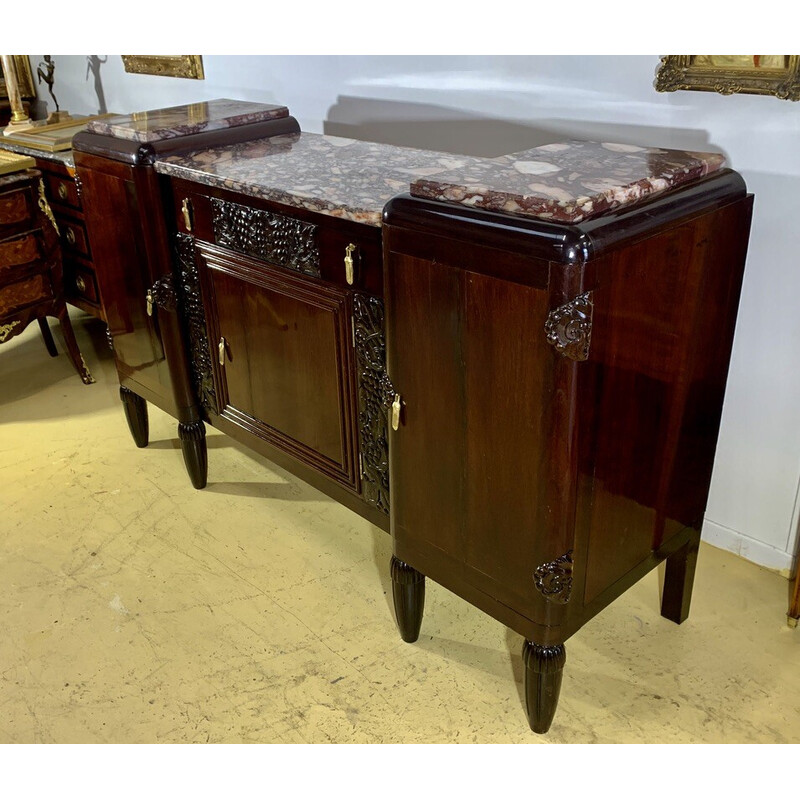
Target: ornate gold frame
(683, 72)
(172, 66)
(22, 65)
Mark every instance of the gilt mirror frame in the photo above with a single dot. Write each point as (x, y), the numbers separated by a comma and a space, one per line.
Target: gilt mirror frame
(22, 66)
(171, 66)
(731, 75)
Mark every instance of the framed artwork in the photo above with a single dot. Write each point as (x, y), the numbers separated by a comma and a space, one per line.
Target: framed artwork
(774, 75)
(172, 66)
(22, 66)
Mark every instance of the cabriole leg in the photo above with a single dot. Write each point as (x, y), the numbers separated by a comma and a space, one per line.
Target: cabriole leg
(47, 335)
(195, 455)
(544, 666)
(678, 581)
(73, 351)
(136, 414)
(408, 593)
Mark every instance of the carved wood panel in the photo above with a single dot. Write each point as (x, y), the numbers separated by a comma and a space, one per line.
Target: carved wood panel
(281, 240)
(375, 393)
(195, 321)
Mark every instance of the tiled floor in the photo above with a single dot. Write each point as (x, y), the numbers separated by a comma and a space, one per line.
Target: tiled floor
(136, 609)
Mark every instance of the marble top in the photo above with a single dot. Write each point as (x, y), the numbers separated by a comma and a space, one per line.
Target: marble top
(171, 123)
(61, 156)
(567, 182)
(332, 175)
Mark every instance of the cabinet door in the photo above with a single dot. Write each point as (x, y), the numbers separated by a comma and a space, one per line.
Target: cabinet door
(127, 267)
(280, 343)
(471, 464)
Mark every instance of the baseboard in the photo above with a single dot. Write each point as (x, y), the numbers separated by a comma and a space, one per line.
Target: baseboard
(750, 549)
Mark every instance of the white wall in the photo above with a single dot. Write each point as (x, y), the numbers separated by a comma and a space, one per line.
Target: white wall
(493, 105)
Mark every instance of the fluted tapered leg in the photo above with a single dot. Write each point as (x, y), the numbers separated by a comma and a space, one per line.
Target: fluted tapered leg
(136, 414)
(408, 593)
(195, 455)
(544, 667)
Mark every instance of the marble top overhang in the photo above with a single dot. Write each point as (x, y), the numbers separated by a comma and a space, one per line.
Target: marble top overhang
(60, 156)
(172, 123)
(567, 182)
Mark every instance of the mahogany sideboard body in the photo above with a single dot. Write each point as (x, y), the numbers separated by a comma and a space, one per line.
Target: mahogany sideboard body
(531, 408)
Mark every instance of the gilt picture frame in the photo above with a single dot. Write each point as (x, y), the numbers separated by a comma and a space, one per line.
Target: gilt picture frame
(171, 66)
(778, 76)
(22, 66)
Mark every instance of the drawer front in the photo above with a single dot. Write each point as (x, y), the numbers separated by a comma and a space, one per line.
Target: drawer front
(62, 190)
(80, 281)
(338, 251)
(15, 207)
(24, 293)
(16, 252)
(73, 237)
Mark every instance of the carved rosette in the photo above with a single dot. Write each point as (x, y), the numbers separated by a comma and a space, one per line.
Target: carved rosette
(163, 293)
(375, 395)
(554, 579)
(283, 241)
(569, 327)
(195, 320)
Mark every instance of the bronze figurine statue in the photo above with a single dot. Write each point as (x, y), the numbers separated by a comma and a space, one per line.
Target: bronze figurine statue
(46, 73)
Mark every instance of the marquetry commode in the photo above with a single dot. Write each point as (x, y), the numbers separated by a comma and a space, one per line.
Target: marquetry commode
(516, 365)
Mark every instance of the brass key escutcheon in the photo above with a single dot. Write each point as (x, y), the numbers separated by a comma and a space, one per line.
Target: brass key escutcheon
(349, 269)
(396, 406)
(221, 347)
(186, 210)
(149, 298)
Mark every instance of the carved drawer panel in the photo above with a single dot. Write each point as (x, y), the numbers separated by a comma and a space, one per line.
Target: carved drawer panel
(14, 207)
(279, 239)
(19, 251)
(24, 293)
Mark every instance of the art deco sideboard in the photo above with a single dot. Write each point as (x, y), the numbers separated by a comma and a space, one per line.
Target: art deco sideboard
(516, 366)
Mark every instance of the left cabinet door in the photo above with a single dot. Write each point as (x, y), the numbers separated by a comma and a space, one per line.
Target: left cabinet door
(280, 343)
(117, 200)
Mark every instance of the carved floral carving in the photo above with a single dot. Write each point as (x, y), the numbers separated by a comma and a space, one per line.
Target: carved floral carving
(569, 327)
(375, 394)
(554, 579)
(195, 320)
(283, 241)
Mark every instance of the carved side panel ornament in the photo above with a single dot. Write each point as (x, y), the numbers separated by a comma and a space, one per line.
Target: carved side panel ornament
(195, 320)
(554, 579)
(375, 395)
(283, 241)
(569, 327)
(162, 294)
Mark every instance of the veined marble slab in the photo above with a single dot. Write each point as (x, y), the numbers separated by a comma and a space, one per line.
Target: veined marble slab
(328, 174)
(567, 182)
(171, 123)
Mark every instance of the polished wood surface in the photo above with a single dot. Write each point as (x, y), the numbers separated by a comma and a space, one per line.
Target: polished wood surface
(31, 272)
